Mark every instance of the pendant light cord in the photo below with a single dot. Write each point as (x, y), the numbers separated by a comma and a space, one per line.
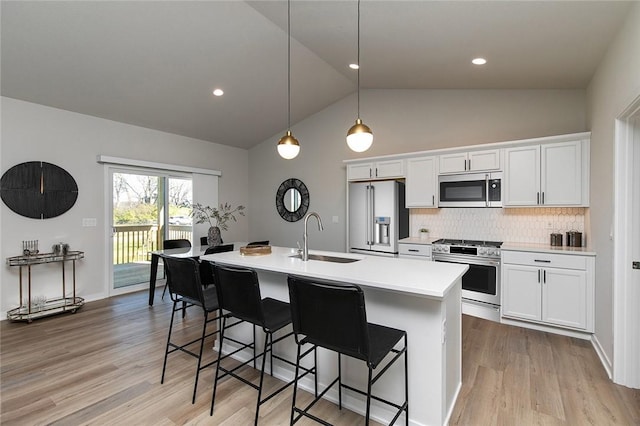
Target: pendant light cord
(289, 64)
(358, 59)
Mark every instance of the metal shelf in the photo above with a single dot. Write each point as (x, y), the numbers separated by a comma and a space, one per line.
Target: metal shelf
(28, 311)
(51, 307)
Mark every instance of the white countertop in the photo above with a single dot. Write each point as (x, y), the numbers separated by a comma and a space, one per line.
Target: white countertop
(429, 279)
(546, 248)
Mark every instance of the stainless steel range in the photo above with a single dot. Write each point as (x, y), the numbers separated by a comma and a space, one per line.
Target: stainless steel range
(481, 283)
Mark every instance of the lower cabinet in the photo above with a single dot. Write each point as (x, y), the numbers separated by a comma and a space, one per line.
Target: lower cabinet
(550, 289)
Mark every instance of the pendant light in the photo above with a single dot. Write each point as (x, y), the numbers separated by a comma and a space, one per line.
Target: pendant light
(288, 146)
(359, 136)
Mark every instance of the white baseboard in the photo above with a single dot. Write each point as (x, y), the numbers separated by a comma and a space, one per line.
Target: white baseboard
(604, 359)
(549, 329)
(447, 419)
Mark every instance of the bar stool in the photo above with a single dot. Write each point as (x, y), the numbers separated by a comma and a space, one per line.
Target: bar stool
(333, 316)
(185, 287)
(239, 297)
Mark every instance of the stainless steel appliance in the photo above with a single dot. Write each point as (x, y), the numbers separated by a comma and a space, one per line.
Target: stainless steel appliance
(481, 283)
(377, 217)
(471, 190)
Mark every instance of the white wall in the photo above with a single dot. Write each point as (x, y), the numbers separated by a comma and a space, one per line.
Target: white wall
(32, 132)
(615, 84)
(402, 121)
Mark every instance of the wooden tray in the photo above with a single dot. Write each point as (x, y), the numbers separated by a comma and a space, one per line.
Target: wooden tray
(255, 250)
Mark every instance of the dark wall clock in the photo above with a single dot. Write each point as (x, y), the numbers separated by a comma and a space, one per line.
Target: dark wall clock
(292, 200)
(38, 190)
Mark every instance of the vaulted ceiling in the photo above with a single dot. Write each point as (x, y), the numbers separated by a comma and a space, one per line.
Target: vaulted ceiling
(155, 63)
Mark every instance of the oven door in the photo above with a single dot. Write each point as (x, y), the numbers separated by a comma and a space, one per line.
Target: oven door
(481, 282)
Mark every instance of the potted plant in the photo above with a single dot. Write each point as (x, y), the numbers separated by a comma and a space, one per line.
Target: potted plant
(218, 219)
(424, 233)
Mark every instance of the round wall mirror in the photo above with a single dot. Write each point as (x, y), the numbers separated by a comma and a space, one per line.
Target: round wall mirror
(292, 200)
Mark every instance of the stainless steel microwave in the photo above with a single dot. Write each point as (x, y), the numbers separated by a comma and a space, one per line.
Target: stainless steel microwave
(471, 190)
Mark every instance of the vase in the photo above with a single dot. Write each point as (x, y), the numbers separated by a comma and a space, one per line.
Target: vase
(213, 236)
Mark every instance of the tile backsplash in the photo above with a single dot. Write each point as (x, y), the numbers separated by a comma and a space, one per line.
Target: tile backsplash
(524, 225)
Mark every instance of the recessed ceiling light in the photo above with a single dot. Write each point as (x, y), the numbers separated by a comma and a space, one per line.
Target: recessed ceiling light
(354, 66)
(479, 61)
(218, 92)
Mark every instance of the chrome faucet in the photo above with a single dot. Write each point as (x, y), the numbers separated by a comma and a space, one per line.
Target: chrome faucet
(305, 238)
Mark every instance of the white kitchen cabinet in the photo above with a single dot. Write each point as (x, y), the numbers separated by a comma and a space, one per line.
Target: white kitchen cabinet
(549, 289)
(471, 161)
(554, 174)
(376, 170)
(421, 183)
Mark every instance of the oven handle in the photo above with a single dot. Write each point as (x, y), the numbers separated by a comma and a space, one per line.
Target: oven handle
(469, 261)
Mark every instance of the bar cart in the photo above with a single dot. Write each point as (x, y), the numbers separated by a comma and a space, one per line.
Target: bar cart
(28, 310)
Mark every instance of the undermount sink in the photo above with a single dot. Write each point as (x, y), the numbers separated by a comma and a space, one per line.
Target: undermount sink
(325, 258)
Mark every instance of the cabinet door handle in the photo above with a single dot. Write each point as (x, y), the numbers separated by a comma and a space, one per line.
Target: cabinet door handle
(542, 197)
(537, 198)
(469, 164)
(376, 172)
(538, 275)
(433, 200)
(544, 276)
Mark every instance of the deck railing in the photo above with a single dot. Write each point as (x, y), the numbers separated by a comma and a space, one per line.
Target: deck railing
(132, 243)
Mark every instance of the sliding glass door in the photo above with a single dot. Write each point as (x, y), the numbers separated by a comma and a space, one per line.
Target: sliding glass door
(146, 209)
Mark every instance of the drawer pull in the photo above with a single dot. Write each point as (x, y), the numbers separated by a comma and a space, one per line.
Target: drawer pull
(542, 261)
(413, 250)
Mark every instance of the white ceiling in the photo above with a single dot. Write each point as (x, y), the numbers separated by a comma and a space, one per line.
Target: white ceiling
(154, 64)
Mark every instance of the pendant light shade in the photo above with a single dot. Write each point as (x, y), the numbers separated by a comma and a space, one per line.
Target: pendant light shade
(359, 136)
(288, 146)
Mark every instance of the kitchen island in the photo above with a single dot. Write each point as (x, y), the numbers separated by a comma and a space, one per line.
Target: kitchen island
(420, 297)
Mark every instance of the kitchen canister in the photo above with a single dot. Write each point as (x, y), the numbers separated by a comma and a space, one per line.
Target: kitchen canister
(556, 239)
(574, 239)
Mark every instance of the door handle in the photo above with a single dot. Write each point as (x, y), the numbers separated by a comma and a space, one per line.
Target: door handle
(537, 198)
(635, 265)
(538, 275)
(542, 197)
(544, 276)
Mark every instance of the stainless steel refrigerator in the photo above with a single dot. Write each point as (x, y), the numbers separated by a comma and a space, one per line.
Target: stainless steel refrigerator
(378, 217)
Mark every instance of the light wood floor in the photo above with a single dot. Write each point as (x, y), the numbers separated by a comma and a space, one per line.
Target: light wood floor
(102, 365)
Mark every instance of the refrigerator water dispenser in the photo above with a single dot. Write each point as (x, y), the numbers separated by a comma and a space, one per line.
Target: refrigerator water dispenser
(382, 230)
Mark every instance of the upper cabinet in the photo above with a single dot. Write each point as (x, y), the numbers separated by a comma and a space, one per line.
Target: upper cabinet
(472, 161)
(421, 183)
(376, 170)
(552, 174)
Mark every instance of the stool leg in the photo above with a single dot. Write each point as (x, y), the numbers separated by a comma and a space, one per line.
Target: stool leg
(366, 421)
(254, 347)
(271, 355)
(339, 382)
(166, 351)
(204, 333)
(295, 385)
(406, 381)
(215, 381)
(264, 360)
(315, 369)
